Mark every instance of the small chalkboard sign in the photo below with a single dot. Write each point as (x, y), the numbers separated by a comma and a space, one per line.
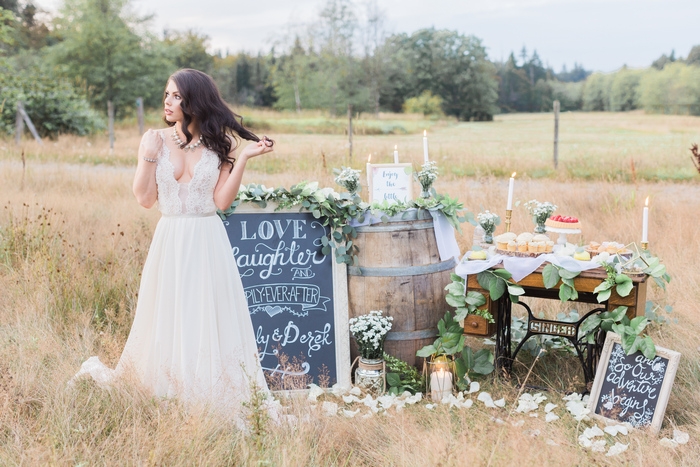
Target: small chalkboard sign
(390, 182)
(632, 388)
(297, 296)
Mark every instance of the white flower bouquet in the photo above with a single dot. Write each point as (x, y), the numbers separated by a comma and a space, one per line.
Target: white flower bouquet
(370, 331)
(427, 175)
(540, 212)
(348, 178)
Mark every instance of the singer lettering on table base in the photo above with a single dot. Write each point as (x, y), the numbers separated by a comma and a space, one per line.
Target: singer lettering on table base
(297, 297)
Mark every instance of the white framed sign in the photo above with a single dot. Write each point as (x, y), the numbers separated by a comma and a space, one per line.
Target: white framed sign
(297, 296)
(632, 388)
(390, 182)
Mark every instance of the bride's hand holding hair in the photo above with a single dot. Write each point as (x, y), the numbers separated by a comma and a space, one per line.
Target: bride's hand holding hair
(256, 149)
(150, 146)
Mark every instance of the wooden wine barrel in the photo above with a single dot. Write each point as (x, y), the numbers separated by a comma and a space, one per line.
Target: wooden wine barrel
(400, 273)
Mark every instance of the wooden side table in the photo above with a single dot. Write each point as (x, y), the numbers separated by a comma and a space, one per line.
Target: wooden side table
(533, 285)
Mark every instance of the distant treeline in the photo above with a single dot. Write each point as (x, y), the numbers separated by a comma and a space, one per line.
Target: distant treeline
(67, 67)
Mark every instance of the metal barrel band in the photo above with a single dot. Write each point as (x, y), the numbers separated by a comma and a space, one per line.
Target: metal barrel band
(411, 335)
(416, 225)
(403, 271)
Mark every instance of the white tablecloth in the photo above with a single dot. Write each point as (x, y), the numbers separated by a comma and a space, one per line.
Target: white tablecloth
(444, 233)
(522, 267)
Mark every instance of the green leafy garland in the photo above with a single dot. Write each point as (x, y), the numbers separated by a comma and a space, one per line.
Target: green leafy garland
(337, 210)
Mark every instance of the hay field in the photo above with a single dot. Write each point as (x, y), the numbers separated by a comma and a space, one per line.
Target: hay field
(73, 241)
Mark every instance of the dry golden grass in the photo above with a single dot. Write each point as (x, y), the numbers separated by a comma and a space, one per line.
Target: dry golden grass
(68, 290)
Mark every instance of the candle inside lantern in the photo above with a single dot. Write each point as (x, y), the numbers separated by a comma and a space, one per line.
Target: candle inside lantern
(440, 384)
(425, 147)
(509, 205)
(645, 221)
(396, 154)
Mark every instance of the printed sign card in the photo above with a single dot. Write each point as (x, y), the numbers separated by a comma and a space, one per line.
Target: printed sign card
(390, 182)
(297, 296)
(632, 388)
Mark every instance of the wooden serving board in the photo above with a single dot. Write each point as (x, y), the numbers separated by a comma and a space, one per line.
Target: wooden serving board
(520, 254)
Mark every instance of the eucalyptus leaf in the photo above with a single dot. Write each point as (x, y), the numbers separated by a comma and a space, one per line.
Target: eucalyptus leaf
(550, 276)
(624, 288)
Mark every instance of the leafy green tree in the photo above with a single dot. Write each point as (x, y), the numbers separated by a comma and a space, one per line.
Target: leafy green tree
(673, 90)
(624, 90)
(694, 56)
(596, 93)
(104, 55)
(426, 104)
(454, 67)
(53, 105)
(569, 94)
(190, 50)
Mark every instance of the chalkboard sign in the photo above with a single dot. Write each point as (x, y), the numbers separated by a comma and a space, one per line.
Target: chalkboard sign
(390, 182)
(297, 297)
(632, 388)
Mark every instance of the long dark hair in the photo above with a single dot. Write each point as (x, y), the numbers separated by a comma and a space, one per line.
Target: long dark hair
(201, 101)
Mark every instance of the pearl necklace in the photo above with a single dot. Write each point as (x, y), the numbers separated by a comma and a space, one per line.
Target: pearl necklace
(181, 144)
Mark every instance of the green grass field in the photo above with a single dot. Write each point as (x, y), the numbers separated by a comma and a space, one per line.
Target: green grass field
(73, 241)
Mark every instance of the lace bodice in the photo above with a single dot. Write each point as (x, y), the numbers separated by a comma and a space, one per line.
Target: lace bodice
(193, 197)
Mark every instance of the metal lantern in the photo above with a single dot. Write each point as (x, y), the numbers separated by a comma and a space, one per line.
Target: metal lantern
(441, 377)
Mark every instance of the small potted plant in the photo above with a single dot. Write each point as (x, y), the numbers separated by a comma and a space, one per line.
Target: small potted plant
(369, 332)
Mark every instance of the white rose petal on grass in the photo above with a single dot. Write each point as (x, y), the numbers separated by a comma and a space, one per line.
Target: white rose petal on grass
(429, 406)
(329, 408)
(474, 386)
(551, 442)
(550, 417)
(355, 391)
(680, 437)
(599, 446)
(614, 430)
(593, 431)
(668, 443)
(617, 449)
(500, 403)
(497, 420)
(338, 389)
(585, 441)
(549, 407)
(314, 392)
(350, 399)
(350, 413)
(485, 397)
(519, 423)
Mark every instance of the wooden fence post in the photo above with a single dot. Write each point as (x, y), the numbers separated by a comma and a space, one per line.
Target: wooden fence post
(19, 127)
(139, 114)
(110, 116)
(350, 131)
(556, 134)
(19, 124)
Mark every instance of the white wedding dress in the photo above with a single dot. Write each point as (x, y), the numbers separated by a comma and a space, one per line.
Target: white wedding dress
(192, 336)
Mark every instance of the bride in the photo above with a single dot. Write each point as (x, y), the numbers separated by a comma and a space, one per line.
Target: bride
(192, 337)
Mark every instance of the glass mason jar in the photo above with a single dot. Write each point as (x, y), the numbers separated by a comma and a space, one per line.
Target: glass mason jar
(369, 375)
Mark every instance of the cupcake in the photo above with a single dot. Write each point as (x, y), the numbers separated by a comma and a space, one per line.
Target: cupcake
(549, 246)
(512, 246)
(522, 246)
(532, 247)
(541, 247)
(503, 239)
(525, 237)
(540, 238)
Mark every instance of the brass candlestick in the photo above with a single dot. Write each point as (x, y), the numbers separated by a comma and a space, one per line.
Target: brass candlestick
(509, 213)
(645, 246)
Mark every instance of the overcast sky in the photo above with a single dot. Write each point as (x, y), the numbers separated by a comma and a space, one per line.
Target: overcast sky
(602, 35)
